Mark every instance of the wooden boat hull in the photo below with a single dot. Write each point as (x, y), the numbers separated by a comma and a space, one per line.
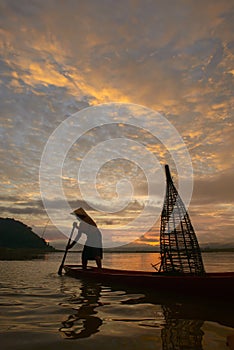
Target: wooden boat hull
(211, 284)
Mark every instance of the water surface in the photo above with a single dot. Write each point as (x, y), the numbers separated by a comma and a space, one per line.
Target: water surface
(39, 309)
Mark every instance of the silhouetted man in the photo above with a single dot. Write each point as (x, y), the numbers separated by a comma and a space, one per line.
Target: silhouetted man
(93, 245)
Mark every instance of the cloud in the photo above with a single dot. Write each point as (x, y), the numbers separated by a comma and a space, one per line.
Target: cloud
(24, 210)
(59, 57)
(217, 189)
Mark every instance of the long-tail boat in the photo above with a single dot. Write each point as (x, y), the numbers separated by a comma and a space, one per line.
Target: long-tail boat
(181, 269)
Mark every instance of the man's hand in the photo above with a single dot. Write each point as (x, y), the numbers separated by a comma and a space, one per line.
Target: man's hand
(71, 245)
(75, 224)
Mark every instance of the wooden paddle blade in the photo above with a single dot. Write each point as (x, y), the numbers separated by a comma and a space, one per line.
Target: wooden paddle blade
(64, 257)
(60, 271)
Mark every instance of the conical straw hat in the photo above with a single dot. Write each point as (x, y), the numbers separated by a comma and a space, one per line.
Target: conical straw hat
(81, 214)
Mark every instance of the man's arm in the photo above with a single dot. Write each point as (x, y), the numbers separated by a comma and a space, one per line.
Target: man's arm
(77, 237)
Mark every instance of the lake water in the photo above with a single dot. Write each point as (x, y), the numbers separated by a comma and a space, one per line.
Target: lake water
(40, 310)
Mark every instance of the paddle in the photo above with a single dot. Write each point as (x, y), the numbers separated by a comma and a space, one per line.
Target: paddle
(65, 254)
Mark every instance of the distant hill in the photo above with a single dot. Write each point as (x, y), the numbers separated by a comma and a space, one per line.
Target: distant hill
(16, 235)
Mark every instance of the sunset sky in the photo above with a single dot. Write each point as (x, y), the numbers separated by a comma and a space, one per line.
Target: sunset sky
(174, 57)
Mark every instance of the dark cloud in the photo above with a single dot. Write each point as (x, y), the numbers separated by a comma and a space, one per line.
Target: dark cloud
(9, 198)
(21, 210)
(214, 189)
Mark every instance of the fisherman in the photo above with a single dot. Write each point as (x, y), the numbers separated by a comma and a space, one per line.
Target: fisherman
(93, 246)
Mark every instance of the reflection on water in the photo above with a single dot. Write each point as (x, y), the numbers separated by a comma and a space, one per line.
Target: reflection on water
(179, 333)
(180, 324)
(83, 323)
(176, 332)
